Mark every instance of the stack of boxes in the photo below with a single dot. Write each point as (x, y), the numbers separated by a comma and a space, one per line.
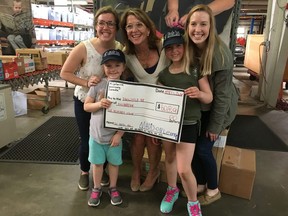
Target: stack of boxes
(29, 60)
(42, 97)
(37, 55)
(11, 67)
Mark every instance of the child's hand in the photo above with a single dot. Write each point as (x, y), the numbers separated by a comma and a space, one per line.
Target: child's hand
(105, 103)
(192, 92)
(115, 140)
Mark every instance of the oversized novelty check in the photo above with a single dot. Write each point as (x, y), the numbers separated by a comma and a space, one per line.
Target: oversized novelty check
(148, 109)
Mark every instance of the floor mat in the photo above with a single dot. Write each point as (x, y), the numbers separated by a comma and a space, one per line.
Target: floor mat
(55, 141)
(252, 133)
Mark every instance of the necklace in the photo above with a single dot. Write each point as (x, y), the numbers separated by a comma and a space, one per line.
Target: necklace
(143, 58)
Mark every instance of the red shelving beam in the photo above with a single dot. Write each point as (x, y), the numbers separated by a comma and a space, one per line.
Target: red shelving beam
(48, 23)
(55, 42)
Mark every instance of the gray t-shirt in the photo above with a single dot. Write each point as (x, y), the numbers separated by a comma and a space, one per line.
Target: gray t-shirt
(97, 131)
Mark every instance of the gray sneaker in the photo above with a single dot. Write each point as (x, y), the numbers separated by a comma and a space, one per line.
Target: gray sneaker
(94, 199)
(83, 183)
(105, 179)
(115, 196)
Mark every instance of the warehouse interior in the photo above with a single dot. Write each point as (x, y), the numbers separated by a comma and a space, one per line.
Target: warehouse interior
(44, 189)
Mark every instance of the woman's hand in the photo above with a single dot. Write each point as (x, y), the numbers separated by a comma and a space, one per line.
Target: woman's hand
(116, 138)
(182, 20)
(212, 136)
(93, 80)
(171, 18)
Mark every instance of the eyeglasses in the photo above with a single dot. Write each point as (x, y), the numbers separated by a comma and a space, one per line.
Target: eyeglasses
(103, 23)
(138, 26)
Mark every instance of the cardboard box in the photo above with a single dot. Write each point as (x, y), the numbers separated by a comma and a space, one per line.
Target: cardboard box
(218, 149)
(29, 65)
(253, 52)
(19, 61)
(238, 172)
(55, 91)
(10, 70)
(56, 58)
(218, 155)
(38, 55)
(38, 99)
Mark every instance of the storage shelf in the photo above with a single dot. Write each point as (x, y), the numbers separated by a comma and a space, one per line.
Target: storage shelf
(49, 23)
(55, 42)
(79, 26)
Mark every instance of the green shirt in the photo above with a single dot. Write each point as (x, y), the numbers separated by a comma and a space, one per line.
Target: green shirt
(183, 80)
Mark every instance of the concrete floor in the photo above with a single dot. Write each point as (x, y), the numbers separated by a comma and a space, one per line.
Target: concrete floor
(44, 190)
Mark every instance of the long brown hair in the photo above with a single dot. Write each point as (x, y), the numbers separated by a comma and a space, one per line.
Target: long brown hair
(141, 15)
(195, 56)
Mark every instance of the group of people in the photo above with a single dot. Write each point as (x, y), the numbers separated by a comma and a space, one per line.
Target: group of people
(192, 58)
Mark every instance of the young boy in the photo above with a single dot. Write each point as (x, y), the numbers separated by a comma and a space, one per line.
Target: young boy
(16, 39)
(178, 156)
(104, 144)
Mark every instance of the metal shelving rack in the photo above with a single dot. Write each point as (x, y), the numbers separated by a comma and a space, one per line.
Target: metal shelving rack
(234, 25)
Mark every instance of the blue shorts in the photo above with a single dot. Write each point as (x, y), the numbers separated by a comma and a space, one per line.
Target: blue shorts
(99, 153)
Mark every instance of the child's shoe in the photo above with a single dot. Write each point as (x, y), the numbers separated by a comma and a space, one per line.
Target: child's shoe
(194, 208)
(95, 197)
(169, 199)
(115, 196)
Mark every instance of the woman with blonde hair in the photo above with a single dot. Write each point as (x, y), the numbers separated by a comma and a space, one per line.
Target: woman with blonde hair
(205, 49)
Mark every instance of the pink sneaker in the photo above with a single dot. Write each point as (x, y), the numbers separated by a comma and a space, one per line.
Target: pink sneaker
(115, 196)
(169, 199)
(95, 197)
(194, 208)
